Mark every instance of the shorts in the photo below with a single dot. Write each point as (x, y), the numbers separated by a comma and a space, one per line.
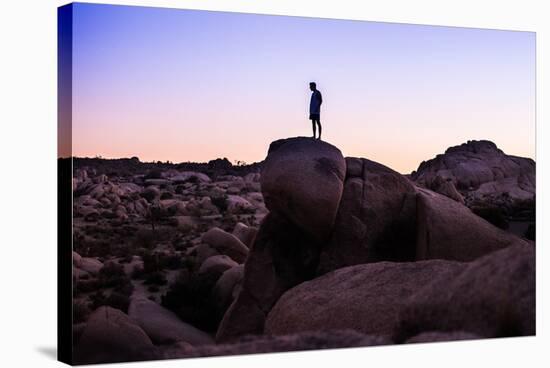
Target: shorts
(315, 117)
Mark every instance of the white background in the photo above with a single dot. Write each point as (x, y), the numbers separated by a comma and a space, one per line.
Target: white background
(28, 181)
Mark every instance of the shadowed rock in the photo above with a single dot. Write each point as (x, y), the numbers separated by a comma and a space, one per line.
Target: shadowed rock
(162, 325)
(282, 256)
(111, 336)
(375, 220)
(365, 297)
(449, 230)
(494, 296)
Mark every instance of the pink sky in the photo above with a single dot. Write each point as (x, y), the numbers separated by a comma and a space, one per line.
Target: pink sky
(166, 84)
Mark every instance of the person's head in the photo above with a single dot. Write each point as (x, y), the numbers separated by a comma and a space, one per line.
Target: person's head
(312, 86)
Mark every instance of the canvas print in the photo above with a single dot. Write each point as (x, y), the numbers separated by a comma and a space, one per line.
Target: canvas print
(243, 183)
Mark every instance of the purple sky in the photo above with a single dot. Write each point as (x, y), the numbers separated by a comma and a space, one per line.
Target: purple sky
(182, 85)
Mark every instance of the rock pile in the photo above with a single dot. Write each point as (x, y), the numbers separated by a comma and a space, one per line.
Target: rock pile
(348, 252)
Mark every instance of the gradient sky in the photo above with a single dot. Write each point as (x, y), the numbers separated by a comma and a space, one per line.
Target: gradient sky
(182, 85)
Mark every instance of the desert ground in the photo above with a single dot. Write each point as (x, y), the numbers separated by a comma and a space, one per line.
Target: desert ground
(307, 249)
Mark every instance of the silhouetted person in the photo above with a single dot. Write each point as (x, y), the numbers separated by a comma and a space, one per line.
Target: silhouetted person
(315, 108)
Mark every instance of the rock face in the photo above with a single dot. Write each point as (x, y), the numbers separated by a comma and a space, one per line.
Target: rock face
(302, 178)
(111, 336)
(449, 230)
(365, 297)
(482, 173)
(163, 326)
(494, 296)
(375, 220)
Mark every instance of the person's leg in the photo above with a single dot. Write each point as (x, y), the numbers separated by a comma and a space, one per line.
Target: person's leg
(320, 129)
(314, 127)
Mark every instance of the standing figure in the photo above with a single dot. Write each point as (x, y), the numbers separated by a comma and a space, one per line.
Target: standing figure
(315, 108)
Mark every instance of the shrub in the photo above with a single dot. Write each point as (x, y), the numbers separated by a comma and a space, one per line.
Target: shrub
(180, 189)
(112, 274)
(155, 278)
(119, 297)
(171, 261)
(144, 238)
(153, 289)
(154, 174)
(137, 272)
(166, 195)
(220, 202)
(190, 298)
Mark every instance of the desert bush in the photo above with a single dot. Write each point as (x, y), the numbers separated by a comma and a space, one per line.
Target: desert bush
(220, 202)
(150, 262)
(155, 278)
(153, 174)
(88, 247)
(119, 298)
(171, 261)
(137, 272)
(87, 286)
(112, 275)
(153, 289)
(166, 195)
(144, 238)
(190, 298)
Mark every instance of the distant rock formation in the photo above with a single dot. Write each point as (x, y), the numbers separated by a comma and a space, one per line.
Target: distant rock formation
(480, 173)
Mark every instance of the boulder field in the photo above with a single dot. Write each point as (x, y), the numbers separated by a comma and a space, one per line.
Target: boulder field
(315, 251)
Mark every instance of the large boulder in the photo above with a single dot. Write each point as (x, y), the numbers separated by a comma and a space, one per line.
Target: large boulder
(375, 220)
(226, 243)
(111, 336)
(494, 296)
(162, 325)
(449, 230)
(365, 297)
(303, 178)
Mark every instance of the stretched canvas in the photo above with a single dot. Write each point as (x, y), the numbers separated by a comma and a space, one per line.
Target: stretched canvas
(236, 183)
